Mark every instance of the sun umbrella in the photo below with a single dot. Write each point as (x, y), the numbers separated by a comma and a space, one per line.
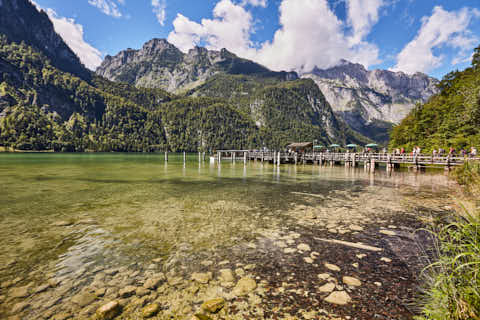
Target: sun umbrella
(372, 145)
(351, 145)
(334, 146)
(318, 147)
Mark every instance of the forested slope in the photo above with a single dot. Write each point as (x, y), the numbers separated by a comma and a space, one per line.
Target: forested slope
(450, 118)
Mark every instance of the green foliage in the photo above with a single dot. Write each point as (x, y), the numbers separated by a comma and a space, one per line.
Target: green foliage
(449, 119)
(229, 111)
(454, 280)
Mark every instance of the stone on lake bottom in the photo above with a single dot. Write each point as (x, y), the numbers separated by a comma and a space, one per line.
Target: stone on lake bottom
(327, 288)
(20, 292)
(351, 281)
(303, 247)
(109, 311)
(361, 256)
(226, 275)
(19, 307)
(128, 291)
(308, 260)
(338, 297)
(388, 232)
(387, 260)
(154, 281)
(244, 286)
(84, 298)
(332, 267)
(150, 310)
(323, 276)
(202, 278)
(214, 305)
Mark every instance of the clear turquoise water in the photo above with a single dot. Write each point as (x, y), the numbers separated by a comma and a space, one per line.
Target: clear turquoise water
(63, 212)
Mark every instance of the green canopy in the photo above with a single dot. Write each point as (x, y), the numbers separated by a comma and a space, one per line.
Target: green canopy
(372, 145)
(334, 146)
(318, 147)
(351, 145)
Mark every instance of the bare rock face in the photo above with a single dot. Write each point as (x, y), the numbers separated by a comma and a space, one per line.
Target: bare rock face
(372, 101)
(159, 64)
(21, 21)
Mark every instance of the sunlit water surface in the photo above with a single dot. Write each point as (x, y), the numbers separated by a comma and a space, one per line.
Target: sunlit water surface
(68, 216)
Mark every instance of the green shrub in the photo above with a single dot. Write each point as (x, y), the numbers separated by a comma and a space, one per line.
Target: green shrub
(453, 282)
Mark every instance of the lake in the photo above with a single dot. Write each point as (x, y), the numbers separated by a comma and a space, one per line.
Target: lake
(80, 230)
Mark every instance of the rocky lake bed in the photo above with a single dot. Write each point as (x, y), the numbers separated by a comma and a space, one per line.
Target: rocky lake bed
(353, 251)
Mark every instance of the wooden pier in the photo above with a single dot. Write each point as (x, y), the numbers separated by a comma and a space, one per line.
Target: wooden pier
(368, 160)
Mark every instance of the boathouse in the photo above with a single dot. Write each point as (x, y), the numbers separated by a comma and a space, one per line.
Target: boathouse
(300, 147)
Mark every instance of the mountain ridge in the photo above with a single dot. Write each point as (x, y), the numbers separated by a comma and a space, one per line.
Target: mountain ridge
(372, 101)
(159, 64)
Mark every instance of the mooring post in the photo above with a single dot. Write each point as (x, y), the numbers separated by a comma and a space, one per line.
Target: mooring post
(295, 157)
(354, 160)
(261, 155)
(447, 168)
(166, 156)
(279, 160)
(184, 157)
(203, 156)
(234, 156)
(219, 157)
(244, 157)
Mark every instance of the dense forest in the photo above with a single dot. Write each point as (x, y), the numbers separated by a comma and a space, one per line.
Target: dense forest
(450, 118)
(44, 108)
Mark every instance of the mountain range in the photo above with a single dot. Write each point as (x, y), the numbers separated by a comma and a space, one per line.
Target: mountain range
(159, 98)
(371, 102)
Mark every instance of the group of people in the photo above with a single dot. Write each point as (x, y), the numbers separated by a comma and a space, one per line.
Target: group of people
(473, 152)
(440, 152)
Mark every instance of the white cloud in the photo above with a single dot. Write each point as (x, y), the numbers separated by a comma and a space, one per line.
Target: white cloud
(230, 28)
(109, 7)
(442, 28)
(310, 34)
(362, 16)
(72, 34)
(160, 10)
(255, 3)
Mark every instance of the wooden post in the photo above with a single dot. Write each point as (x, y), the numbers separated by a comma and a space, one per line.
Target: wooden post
(199, 157)
(219, 157)
(245, 157)
(262, 156)
(295, 156)
(234, 156)
(166, 156)
(204, 156)
(447, 168)
(279, 160)
(354, 156)
(184, 157)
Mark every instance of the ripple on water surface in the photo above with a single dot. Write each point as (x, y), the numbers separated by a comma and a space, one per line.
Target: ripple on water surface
(76, 230)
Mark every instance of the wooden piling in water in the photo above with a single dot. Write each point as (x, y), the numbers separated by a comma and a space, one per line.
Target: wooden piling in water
(166, 156)
(184, 157)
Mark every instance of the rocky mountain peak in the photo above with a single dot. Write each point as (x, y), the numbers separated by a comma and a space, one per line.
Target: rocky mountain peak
(372, 101)
(16, 20)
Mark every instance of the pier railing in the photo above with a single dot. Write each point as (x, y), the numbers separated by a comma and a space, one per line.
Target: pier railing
(353, 158)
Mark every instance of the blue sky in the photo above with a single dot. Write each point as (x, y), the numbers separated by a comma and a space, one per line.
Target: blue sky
(434, 37)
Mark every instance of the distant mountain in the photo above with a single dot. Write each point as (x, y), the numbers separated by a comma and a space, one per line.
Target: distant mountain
(21, 21)
(449, 119)
(48, 100)
(372, 101)
(159, 64)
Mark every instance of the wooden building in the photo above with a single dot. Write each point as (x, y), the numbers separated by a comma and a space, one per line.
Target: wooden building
(300, 147)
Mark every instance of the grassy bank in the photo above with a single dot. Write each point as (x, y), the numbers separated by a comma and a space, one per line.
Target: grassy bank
(453, 281)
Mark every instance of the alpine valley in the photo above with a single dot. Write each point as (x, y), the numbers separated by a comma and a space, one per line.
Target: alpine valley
(159, 98)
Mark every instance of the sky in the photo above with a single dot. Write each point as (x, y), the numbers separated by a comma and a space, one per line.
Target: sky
(429, 36)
